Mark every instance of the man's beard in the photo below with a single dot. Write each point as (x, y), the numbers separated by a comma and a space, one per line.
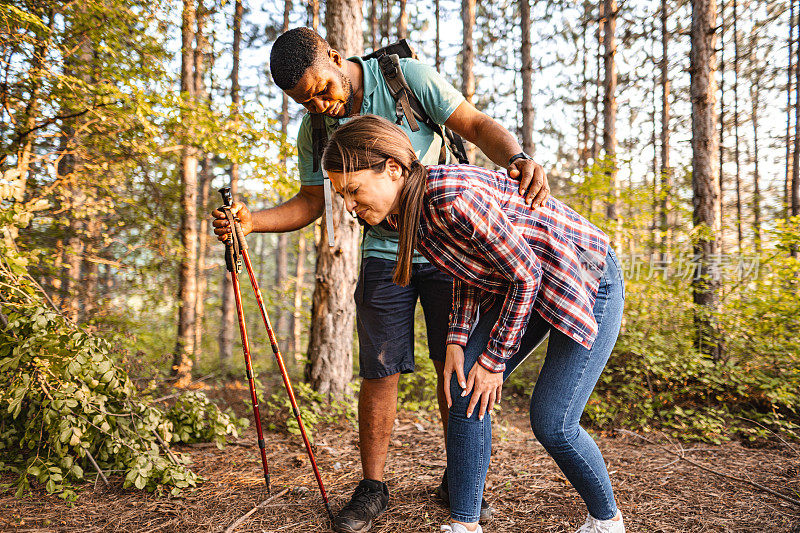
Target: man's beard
(348, 87)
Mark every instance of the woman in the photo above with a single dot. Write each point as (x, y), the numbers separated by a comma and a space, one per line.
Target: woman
(531, 273)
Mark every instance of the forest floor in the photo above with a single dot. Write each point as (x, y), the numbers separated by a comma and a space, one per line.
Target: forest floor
(657, 491)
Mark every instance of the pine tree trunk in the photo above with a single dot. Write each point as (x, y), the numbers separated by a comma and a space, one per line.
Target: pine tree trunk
(374, 31)
(583, 142)
(610, 116)
(787, 201)
(655, 232)
(282, 244)
(721, 154)
(312, 8)
(527, 76)
(739, 234)
(333, 317)
(706, 193)
(183, 359)
(755, 94)
(202, 252)
(71, 166)
(91, 274)
(667, 217)
(468, 60)
(437, 39)
(597, 85)
(202, 62)
(24, 132)
(795, 189)
(299, 285)
(227, 326)
(402, 21)
(386, 21)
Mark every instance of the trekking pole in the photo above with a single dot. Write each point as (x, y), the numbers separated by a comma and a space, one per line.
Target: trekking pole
(228, 201)
(234, 266)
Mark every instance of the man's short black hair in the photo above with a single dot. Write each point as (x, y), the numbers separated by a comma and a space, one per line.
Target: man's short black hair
(293, 52)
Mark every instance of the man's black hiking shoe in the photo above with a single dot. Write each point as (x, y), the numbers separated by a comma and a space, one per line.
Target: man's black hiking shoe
(368, 502)
(443, 492)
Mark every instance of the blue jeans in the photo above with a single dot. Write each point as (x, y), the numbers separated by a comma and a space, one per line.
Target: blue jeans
(567, 378)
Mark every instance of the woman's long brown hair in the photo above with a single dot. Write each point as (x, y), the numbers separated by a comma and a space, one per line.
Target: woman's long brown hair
(367, 142)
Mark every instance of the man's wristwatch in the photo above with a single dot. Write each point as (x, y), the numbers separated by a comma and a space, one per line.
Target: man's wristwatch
(521, 155)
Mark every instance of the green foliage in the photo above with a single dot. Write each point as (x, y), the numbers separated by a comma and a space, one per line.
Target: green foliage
(657, 379)
(315, 408)
(64, 402)
(195, 418)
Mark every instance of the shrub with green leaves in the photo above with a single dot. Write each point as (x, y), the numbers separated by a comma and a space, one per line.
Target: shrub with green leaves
(195, 418)
(315, 408)
(65, 405)
(657, 379)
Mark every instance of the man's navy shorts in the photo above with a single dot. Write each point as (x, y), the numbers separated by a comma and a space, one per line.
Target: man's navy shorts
(385, 316)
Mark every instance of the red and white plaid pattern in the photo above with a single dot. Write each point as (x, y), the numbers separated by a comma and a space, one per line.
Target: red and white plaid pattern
(477, 227)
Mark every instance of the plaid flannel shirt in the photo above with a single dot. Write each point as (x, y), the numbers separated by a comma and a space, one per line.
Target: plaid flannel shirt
(476, 226)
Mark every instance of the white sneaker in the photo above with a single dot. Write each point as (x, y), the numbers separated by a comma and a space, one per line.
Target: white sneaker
(593, 525)
(460, 528)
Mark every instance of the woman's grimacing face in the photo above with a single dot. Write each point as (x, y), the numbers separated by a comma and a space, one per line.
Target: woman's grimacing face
(369, 194)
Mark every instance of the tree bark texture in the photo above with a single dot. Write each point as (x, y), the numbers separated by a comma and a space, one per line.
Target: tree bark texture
(437, 38)
(183, 358)
(755, 93)
(468, 59)
(795, 188)
(666, 214)
(282, 243)
(795, 203)
(299, 284)
(736, 153)
(374, 30)
(71, 167)
(312, 8)
(610, 115)
(527, 76)
(706, 193)
(721, 151)
(402, 21)
(333, 314)
(226, 334)
(787, 200)
(202, 251)
(202, 64)
(597, 85)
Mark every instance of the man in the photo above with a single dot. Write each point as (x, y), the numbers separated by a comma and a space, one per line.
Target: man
(320, 79)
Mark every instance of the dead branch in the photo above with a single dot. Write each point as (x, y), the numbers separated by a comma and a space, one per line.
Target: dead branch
(247, 515)
(96, 467)
(715, 472)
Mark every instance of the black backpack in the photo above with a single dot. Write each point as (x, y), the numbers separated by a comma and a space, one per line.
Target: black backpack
(407, 105)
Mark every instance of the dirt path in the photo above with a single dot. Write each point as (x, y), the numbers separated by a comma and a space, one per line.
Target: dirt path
(656, 493)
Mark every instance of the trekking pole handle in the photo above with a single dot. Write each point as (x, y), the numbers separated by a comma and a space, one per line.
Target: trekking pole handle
(227, 196)
(227, 201)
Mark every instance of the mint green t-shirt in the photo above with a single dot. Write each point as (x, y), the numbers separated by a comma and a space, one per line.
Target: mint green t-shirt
(437, 96)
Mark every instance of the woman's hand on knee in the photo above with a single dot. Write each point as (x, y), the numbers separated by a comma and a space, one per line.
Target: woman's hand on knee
(454, 362)
(486, 387)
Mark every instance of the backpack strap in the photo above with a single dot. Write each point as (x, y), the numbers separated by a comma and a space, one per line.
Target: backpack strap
(408, 106)
(319, 138)
(398, 87)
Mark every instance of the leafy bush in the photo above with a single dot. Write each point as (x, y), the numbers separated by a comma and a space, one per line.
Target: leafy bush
(65, 404)
(656, 378)
(315, 408)
(195, 418)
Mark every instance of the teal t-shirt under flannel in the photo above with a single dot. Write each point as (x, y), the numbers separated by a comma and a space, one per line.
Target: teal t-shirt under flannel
(439, 99)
